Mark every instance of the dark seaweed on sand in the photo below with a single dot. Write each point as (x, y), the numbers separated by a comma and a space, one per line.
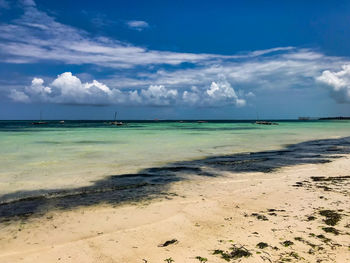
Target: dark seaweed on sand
(235, 252)
(332, 217)
(262, 245)
(169, 242)
(331, 230)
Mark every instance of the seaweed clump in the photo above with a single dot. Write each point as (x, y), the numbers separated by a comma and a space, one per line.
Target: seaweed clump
(311, 218)
(169, 242)
(260, 217)
(201, 259)
(262, 245)
(332, 217)
(323, 238)
(331, 230)
(234, 253)
(287, 243)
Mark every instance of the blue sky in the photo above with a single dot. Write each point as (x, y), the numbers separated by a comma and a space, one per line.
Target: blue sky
(174, 59)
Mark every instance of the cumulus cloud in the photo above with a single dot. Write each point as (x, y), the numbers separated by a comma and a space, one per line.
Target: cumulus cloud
(339, 82)
(19, 96)
(217, 94)
(191, 97)
(159, 95)
(223, 92)
(68, 89)
(137, 25)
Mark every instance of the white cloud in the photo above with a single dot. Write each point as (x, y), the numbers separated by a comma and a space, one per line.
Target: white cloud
(158, 95)
(339, 82)
(68, 89)
(270, 50)
(137, 25)
(19, 96)
(38, 88)
(223, 92)
(217, 94)
(191, 97)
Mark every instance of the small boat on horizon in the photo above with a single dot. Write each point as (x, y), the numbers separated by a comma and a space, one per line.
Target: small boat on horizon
(115, 122)
(39, 122)
(266, 123)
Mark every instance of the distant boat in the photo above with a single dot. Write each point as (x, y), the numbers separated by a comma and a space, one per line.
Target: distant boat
(61, 122)
(115, 122)
(266, 123)
(39, 122)
(201, 121)
(263, 122)
(304, 118)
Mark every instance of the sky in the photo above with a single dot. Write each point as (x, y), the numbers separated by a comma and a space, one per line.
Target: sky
(174, 59)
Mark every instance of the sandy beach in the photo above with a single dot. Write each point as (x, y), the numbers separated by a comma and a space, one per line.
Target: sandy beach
(294, 214)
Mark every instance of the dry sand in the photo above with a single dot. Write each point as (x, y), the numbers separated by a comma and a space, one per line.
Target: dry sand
(203, 215)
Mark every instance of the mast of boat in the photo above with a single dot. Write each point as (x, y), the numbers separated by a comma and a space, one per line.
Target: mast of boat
(40, 121)
(115, 116)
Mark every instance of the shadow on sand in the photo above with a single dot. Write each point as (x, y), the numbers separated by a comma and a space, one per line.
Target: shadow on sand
(154, 182)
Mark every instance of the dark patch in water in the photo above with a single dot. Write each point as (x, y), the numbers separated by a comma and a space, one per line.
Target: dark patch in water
(80, 142)
(94, 142)
(154, 182)
(49, 142)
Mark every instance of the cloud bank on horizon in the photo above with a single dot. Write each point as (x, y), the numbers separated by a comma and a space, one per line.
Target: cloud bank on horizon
(68, 89)
(156, 78)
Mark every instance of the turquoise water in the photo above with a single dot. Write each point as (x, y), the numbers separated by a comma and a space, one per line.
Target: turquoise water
(78, 153)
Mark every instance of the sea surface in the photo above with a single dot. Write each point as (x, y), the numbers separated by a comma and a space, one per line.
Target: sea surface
(79, 153)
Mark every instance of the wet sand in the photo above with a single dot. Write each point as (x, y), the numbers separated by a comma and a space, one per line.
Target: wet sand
(207, 216)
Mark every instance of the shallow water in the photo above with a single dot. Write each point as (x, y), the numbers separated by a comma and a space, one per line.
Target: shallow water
(77, 153)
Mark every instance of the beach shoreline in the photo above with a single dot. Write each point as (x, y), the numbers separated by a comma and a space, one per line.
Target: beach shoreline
(280, 208)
